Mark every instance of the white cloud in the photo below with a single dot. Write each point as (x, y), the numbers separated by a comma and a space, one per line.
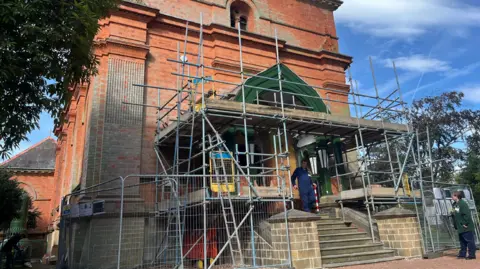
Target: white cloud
(472, 93)
(406, 18)
(454, 73)
(418, 63)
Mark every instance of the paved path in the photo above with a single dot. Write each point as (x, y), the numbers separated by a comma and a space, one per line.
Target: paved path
(42, 266)
(449, 262)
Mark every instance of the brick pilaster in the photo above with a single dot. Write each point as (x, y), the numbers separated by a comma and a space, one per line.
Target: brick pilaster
(399, 229)
(304, 245)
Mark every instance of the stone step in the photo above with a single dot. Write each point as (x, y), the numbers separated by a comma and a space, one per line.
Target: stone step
(342, 236)
(349, 249)
(330, 224)
(336, 230)
(345, 242)
(328, 220)
(359, 256)
(346, 264)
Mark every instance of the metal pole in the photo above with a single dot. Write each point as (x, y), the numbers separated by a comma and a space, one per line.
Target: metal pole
(204, 157)
(400, 94)
(429, 147)
(247, 146)
(119, 254)
(404, 163)
(419, 169)
(367, 164)
(365, 192)
(287, 230)
(280, 87)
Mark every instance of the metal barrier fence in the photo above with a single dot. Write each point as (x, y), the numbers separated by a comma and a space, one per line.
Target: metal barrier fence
(434, 214)
(160, 221)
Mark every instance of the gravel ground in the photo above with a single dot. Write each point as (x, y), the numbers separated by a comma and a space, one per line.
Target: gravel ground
(450, 262)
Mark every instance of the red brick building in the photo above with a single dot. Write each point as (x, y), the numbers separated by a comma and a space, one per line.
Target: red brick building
(103, 138)
(34, 168)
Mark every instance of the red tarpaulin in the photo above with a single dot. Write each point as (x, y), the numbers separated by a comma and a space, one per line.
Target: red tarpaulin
(197, 252)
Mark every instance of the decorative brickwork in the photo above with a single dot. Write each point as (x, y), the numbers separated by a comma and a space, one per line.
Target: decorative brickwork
(399, 229)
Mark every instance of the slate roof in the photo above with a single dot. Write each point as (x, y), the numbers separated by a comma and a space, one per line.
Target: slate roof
(39, 157)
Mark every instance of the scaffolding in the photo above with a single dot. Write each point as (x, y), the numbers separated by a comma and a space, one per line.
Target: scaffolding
(226, 180)
(210, 199)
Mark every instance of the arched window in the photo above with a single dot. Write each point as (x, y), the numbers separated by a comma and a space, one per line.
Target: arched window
(241, 13)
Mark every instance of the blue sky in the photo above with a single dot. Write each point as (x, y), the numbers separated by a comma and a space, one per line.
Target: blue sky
(434, 44)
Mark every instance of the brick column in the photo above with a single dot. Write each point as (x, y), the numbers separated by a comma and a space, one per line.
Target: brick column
(399, 229)
(304, 245)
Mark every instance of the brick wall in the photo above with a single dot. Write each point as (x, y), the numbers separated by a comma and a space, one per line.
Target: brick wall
(399, 229)
(42, 186)
(304, 246)
(305, 23)
(133, 47)
(401, 234)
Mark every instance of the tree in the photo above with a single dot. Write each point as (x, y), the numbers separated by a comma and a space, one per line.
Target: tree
(448, 123)
(471, 172)
(11, 199)
(43, 39)
(33, 216)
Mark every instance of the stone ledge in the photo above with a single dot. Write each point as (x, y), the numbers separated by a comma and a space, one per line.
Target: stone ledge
(294, 215)
(396, 212)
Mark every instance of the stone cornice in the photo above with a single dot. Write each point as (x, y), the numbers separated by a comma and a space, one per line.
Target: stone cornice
(328, 4)
(218, 29)
(17, 170)
(121, 47)
(139, 9)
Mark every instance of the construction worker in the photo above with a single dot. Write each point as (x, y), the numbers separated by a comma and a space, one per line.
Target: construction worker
(464, 224)
(304, 186)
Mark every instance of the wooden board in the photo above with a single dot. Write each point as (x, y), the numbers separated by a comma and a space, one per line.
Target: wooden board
(268, 192)
(378, 192)
(190, 198)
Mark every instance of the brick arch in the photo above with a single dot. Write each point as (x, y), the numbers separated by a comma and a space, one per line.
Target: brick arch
(29, 189)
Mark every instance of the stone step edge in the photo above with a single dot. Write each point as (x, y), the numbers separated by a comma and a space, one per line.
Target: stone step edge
(384, 251)
(345, 264)
(337, 228)
(346, 240)
(355, 246)
(346, 223)
(342, 234)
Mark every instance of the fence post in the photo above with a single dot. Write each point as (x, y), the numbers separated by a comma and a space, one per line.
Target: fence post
(121, 223)
(61, 241)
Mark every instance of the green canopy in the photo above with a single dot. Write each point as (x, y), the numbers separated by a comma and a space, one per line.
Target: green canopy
(299, 87)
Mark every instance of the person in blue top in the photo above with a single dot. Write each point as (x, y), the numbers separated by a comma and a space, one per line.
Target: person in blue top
(304, 185)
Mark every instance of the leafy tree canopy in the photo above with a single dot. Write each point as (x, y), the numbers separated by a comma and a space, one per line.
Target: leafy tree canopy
(43, 39)
(11, 199)
(449, 125)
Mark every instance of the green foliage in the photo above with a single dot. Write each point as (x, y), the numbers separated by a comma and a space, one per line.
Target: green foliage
(32, 218)
(11, 199)
(43, 39)
(471, 172)
(447, 121)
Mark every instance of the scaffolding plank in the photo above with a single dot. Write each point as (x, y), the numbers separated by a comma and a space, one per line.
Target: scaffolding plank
(221, 112)
(379, 192)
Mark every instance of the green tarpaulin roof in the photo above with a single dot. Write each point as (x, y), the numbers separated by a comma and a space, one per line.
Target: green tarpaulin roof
(299, 88)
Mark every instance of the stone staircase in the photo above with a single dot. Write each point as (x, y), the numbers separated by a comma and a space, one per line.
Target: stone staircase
(341, 244)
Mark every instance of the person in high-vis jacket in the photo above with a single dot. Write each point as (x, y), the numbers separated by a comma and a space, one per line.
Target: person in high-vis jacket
(304, 185)
(464, 224)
